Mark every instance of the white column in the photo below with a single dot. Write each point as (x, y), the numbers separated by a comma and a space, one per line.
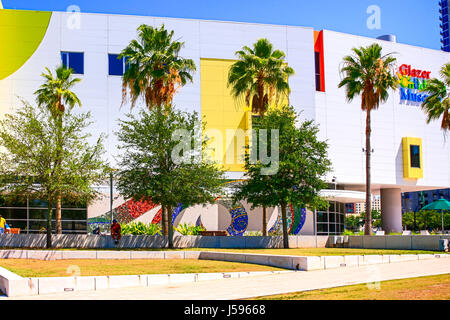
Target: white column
(391, 210)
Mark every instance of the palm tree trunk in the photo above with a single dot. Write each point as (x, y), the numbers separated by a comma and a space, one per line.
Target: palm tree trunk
(368, 227)
(264, 222)
(284, 223)
(59, 157)
(49, 224)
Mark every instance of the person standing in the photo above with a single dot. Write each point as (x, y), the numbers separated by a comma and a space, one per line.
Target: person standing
(3, 225)
(116, 231)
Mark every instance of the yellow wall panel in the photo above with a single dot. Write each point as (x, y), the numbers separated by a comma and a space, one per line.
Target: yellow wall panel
(412, 169)
(222, 112)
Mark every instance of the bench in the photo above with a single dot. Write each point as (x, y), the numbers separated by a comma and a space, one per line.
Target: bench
(213, 233)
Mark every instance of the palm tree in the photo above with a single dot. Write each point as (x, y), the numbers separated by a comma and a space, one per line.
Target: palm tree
(368, 73)
(437, 104)
(155, 71)
(260, 76)
(56, 94)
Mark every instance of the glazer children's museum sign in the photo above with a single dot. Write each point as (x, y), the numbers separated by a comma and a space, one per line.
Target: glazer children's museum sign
(412, 81)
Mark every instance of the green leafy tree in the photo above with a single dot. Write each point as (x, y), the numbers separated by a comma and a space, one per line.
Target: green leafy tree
(354, 222)
(162, 161)
(32, 144)
(155, 69)
(437, 104)
(427, 219)
(303, 162)
(260, 75)
(369, 74)
(56, 95)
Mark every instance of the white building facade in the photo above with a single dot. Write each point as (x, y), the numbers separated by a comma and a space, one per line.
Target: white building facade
(400, 134)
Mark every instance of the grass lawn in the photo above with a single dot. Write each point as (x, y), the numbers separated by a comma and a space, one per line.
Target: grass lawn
(421, 288)
(60, 268)
(322, 251)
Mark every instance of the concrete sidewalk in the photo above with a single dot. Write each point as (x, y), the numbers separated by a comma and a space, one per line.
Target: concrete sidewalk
(264, 285)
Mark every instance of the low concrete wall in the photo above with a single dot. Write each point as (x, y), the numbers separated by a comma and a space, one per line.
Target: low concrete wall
(13, 285)
(413, 242)
(135, 242)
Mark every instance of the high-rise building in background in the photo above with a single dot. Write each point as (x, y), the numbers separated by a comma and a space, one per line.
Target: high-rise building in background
(445, 39)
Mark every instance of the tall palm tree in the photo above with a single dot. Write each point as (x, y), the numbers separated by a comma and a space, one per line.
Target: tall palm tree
(370, 74)
(56, 94)
(260, 75)
(155, 71)
(437, 104)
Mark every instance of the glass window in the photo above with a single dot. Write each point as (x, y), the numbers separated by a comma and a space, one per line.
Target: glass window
(322, 216)
(74, 226)
(332, 217)
(322, 227)
(116, 66)
(317, 69)
(37, 214)
(415, 156)
(11, 214)
(21, 224)
(332, 227)
(73, 60)
(73, 214)
(332, 207)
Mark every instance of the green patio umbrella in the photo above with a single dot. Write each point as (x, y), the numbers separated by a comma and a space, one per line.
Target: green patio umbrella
(442, 205)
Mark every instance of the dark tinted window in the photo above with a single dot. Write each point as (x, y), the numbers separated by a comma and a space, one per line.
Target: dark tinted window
(415, 156)
(73, 60)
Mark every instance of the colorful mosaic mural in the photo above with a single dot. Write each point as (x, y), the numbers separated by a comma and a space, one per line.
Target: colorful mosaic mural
(295, 220)
(239, 217)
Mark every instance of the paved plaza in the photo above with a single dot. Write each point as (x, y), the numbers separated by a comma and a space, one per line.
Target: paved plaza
(240, 288)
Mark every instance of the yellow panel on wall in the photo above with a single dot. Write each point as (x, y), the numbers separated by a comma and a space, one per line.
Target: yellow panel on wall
(223, 115)
(412, 158)
(21, 32)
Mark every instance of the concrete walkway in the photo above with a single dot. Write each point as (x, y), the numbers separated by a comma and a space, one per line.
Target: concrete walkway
(229, 289)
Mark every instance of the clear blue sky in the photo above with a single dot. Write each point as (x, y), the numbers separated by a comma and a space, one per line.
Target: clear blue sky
(414, 22)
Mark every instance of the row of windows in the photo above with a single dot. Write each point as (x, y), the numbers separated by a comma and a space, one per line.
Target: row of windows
(37, 226)
(117, 67)
(75, 61)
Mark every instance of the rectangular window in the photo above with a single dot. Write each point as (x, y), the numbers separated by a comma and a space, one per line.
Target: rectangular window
(415, 156)
(74, 61)
(116, 66)
(317, 65)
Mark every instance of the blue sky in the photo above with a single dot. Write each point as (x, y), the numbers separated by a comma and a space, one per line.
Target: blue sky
(414, 22)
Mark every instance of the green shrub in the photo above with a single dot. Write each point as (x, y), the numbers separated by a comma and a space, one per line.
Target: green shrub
(252, 234)
(139, 228)
(189, 230)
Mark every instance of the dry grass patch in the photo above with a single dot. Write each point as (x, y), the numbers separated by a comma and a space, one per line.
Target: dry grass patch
(62, 268)
(421, 288)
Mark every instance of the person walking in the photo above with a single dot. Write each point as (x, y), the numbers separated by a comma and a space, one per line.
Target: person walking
(116, 231)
